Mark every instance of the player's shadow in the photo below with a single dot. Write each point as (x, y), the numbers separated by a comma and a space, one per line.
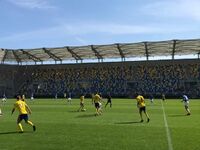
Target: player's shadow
(86, 116)
(13, 132)
(128, 122)
(73, 111)
(175, 115)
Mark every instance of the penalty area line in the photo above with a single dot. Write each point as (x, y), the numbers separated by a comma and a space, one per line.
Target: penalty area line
(169, 140)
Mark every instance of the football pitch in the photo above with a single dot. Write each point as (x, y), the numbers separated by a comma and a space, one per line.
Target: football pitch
(61, 127)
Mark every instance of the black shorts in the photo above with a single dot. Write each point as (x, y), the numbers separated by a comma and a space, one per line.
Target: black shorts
(109, 101)
(82, 104)
(96, 105)
(22, 117)
(142, 109)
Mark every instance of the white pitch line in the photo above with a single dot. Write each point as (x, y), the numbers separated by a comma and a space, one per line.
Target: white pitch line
(169, 140)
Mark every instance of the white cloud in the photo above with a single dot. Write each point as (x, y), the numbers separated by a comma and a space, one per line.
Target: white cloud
(76, 32)
(120, 29)
(96, 28)
(174, 8)
(45, 34)
(33, 4)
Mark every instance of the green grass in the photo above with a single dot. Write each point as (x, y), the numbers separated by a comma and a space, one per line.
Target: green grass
(61, 127)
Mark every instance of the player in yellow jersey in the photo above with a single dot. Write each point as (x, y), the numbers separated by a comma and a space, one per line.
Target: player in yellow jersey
(97, 103)
(23, 109)
(142, 107)
(82, 98)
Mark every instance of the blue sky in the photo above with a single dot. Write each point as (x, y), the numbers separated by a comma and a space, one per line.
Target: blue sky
(57, 23)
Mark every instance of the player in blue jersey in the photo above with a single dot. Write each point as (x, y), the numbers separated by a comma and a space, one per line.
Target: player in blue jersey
(4, 98)
(185, 100)
(151, 98)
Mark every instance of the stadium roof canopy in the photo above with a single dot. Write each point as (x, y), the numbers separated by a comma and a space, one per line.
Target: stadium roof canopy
(124, 51)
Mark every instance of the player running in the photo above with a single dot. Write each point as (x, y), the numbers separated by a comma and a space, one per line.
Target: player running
(163, 96)
(23, 97)
(82, 98)
(186, 104)
(23, 109)
(97, 104)
(142, 107)
(32, 96)
(69, 99)
(4, 99)
(109, 100)
(151, 98)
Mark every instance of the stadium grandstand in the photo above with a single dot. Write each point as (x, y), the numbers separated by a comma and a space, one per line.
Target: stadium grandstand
(170, 67)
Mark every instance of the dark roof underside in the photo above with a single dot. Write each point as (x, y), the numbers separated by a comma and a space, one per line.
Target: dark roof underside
(101, 52)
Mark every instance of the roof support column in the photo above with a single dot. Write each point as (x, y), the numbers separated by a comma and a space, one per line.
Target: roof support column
(97, 54)
(16, 57)
(33, 57)
(76, 57)
(5, 55)
(173, 49)
(146, 50)
(121, 52)
(51, 55)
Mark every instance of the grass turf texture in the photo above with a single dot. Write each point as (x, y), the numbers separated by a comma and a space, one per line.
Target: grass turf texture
(60, 126)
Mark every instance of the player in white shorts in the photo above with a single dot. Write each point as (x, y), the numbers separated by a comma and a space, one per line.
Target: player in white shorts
(185, 100)
(151, 98)
(69, 99)
(32, 96)
(4, 98)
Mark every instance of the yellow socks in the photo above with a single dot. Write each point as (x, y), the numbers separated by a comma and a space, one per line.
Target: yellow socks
(20, 127)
